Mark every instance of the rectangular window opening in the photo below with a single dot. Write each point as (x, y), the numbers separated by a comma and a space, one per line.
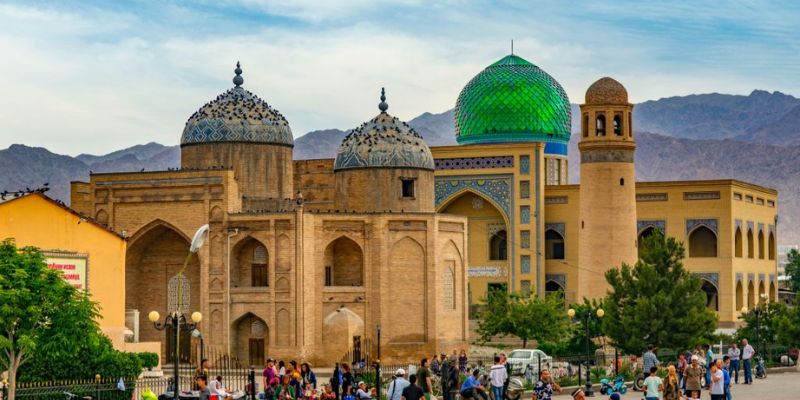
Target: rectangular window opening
(408, 188)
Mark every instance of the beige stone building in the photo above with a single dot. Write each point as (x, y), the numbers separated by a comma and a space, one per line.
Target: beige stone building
(305, 258)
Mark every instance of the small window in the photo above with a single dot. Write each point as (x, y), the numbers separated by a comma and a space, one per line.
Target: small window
(585, 126)
(622, 181)
(498, 246)
(737, 196)
(748, 199)
(759, 201)
(618, 125)
(408, 188)
(328, 276)
(770, 203)
(600, 125)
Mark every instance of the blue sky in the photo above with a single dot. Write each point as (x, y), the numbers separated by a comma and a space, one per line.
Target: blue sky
(93, 77)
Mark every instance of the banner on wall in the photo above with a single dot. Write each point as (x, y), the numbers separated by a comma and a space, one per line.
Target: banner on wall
(72, 268)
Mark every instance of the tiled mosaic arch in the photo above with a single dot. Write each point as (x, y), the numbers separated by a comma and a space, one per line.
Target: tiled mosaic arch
(498, 190)
(660, 225)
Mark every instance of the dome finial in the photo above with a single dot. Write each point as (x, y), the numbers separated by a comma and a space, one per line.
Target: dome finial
(383, 106)
(238, 80)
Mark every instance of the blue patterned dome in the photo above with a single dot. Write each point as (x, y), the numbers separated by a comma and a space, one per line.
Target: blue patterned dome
(237, 116)
(382, 142)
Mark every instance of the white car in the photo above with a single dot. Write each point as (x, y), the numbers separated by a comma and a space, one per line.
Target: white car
(521, 359)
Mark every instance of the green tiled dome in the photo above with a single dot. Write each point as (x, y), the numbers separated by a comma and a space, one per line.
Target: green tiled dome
(512, 100)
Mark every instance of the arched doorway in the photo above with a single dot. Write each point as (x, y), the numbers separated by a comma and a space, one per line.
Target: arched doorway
(344, 263)
(645, 233)
(737, 242)
(553, 288)
(339, 330)
(712, 295)
(250, 340)
(739, 296)
(553, 245)
(155, 255)
(702, 242)
(250, 264)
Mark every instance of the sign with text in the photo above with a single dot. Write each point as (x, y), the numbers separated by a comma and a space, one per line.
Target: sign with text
(73, 268)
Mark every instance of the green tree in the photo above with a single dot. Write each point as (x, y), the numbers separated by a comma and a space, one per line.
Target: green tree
(524, 316)
(656, 301)
(761, 324)
(787, 325)
(793, 270)
(48, 330)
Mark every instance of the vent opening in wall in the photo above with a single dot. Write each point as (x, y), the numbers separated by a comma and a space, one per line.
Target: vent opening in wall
(408, 188)
(622, 181)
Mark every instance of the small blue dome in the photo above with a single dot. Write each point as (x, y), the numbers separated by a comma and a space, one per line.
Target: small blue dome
(383, 142)
(237, 116)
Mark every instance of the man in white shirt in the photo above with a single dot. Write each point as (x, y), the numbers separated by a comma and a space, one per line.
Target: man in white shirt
(217, 388)
(734, 353)
(398, 384)
(498, 376)
(747, 356)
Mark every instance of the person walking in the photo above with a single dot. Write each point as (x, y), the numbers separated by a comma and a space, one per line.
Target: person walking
(508, 366)
(424, 378)
(671, 387)
(449, 378)
(269, 372)
(717, 381)
(398, 384)
(692, 376)
(649, 359)
(680, 367)
(747, 357)
(709, 362)
(652, 385)
(462, 361)
(735, 354)
(202, 384)
(436, 366)
(336, 381)
(498, 375)
(347, 380)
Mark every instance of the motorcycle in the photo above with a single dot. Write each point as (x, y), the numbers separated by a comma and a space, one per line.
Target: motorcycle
(761, 368)
(618, 386)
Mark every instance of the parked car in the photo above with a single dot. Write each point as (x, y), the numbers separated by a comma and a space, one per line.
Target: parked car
(522, 359)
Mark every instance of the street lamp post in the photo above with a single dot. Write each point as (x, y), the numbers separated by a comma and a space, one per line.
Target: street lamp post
(178, 322)
(378, 364)
(586, 316)
(197, 334)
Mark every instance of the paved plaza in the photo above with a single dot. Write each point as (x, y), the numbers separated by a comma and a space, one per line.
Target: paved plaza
(778, 386)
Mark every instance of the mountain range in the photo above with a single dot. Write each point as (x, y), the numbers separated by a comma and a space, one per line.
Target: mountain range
(754, 138)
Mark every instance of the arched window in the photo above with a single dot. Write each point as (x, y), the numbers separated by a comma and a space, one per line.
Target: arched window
(739, 296)
(554, 288)
(761, 244)
(750, 244)
(712, 298)
(630, 125)
(617, 124)
(751, 295)
(553, 245)
(737, 240)
(646, 233)
(762, 296)
(600, 125)
(344, 263)
(585, 126)
(702, 243)
(771, 244)
(771, 292)
(498, 246)
(258, 273)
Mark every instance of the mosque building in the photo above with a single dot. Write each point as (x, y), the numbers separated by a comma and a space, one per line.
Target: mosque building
(309, 257)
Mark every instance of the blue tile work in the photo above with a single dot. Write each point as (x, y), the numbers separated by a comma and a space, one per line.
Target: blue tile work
(524, 165)
(525, 214)
(474, 162)
(525, 264)
(524, 189)
(525, 239)
(498, 189)
(692, 224)
(661, 225)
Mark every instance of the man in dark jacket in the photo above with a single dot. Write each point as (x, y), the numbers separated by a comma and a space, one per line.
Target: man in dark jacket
(336, 380)
(449, 378)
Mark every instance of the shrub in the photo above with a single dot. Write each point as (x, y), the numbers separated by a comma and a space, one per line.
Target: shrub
(149, 360)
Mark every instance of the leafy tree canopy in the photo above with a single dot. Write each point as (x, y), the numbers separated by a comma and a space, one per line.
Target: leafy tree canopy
(793, 270)
(656, 301)
(524, 316)
(787, 325)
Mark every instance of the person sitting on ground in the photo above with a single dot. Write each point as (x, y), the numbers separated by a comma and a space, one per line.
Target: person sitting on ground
(412, 391)
(286, 391)
(327, 393)
(362, 393)
(472, 388)
(545, 386)
(578, 394)
(218, 388)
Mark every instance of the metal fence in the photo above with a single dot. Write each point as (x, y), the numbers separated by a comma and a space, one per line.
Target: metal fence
(105, 389)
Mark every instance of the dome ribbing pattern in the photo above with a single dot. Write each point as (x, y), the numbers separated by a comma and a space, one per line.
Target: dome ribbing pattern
(512, 100)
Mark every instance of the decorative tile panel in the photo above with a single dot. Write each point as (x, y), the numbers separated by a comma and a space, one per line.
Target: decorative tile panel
(560, 279)
(525, 239)
(524, 165)
(751, 277)
(525, 264)
(701, 195)
(524, 189)
(525, 214)
(750, 225)
(492, 229)
(557, 227)
(771, 229)
(652, 197)
(498, 190)
(692, 224)
(761, 277)
(474, 162)
(738, 223)
(760, 227)
(772, 278)
(179, 283)
(660, 225)
(486, 272)
(712, 277)
(739, 277)
(556, 200)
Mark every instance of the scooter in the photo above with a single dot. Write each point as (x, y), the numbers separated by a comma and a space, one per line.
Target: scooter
(761, 368)
(618, 385)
